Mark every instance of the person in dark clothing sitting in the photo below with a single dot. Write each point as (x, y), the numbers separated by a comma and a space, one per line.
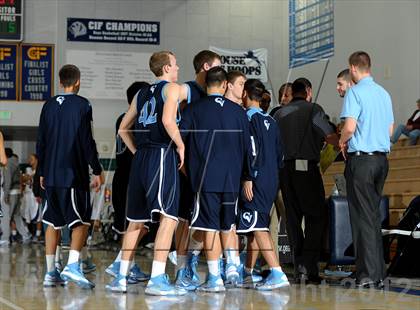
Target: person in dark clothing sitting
(411, 129)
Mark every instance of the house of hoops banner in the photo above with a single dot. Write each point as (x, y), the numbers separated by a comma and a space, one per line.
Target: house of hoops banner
(252, 63)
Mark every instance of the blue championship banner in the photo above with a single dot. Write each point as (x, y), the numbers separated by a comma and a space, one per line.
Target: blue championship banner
(37, 71)
(113, 31)
(8, 72)
(311, 31)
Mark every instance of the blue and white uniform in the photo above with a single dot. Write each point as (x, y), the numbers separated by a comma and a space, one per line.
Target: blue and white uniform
(217, 131)
(265, 162)
(153, 187)
(195, 93)
(66, 149)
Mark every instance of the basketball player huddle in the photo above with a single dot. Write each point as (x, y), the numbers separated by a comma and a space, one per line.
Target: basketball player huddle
(205, 166)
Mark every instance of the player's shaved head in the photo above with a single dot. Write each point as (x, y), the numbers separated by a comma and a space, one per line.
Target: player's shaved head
(216, 76)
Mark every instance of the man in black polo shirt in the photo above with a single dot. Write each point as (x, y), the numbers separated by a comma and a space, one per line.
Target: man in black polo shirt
(304, 129)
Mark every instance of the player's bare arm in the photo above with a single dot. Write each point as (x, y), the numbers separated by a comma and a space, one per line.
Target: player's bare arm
(170, 109)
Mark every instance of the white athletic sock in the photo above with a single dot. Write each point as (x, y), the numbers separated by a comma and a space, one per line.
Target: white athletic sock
(73, 257)
(195, 246)
(132, 264)
(158, 268)
(237, 259)
(249, 270)
(58, 253)
(214, 267)
(124, 267)
(50, 262)
(118, 258)
(38, 233)
(277, 269)
(14, 232)
(230, 255)
(181, 262)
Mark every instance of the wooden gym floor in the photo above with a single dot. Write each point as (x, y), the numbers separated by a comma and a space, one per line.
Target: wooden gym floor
(22, 270)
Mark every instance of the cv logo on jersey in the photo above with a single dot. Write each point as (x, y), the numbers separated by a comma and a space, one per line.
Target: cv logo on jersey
(247, 216)
(267, 124)
(220, 101)
(60, 100)
(247, 219)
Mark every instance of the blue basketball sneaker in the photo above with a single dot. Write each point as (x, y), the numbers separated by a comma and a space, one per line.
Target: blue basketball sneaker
(73, 273)
(59, 265)
(192, 273)
(275, 279)
(173, 257)
(87, 265)
(183, 281)
(256, 277)
(160, 286)
(247, 280)
(136, 275)
(114, 269)
(222, 269)
(213, 284)
(232, 275)
(118, 285)
(52, 279)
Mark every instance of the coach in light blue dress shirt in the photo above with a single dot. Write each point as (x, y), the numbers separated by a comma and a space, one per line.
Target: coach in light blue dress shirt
(370, 105)
(365, 136)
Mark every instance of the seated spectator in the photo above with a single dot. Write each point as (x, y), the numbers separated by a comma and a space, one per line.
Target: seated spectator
(411, 129)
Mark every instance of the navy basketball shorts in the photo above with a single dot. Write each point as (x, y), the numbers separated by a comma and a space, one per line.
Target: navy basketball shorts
(153, 188)
(66, 206)
(255, 215)
(215, 211)
(186, 202)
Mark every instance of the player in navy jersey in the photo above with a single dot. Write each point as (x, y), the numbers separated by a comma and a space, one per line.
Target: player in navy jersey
(235, 86)
(123, 158)
(186, 269)
(217, 132)
(261, 187)
(66, 149)
(230, 241)
(153, 190)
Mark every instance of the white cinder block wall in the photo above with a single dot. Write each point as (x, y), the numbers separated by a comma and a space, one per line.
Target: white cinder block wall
(388, 29)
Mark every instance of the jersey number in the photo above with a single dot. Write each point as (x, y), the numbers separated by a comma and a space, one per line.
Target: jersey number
(148, 116)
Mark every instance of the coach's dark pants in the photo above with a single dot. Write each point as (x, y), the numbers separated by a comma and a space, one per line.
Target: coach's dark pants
(365, 178)
(304, 196)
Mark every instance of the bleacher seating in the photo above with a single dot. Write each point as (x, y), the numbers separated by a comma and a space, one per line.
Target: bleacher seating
(402, 183)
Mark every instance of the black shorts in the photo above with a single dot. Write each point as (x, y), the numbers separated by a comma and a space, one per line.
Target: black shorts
(215, 211)
(153, 187)
(119, 202)
(66, 206)
(186, 202)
